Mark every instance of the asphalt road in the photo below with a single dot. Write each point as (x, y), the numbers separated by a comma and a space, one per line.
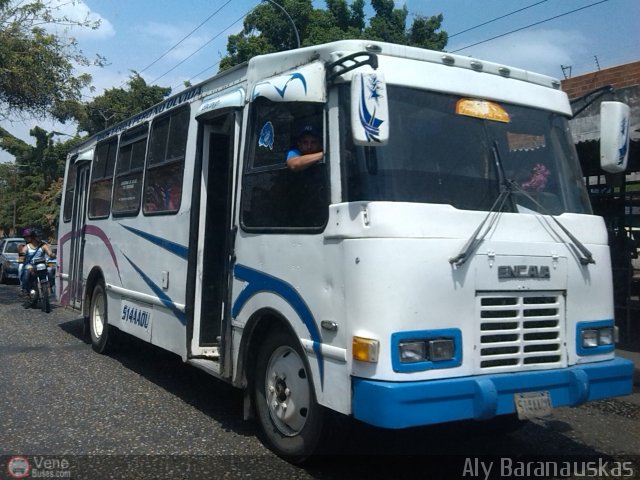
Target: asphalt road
(141, 413)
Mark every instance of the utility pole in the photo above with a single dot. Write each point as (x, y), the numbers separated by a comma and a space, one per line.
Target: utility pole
(14, 177)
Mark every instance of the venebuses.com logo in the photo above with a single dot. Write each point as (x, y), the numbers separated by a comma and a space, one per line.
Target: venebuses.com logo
(38, 466)
(18, 467)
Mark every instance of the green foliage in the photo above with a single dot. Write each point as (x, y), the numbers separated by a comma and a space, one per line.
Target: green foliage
(118, 104)
(423, 33)
(30, 188)
(37, 76)
(267, 28)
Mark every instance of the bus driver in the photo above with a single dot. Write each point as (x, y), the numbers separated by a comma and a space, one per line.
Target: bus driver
(308, 151)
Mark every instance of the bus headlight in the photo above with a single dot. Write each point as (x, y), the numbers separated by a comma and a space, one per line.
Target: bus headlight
(441, 349)
(436, 350)
(605, 336)
(411, 352)
(597, 337)
(420, 350)
(589, 338)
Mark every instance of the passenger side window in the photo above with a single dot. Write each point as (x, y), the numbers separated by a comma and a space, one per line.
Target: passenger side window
(102, 179)
(275, 198)
(69, 192)
(129, 168)
(165, 163)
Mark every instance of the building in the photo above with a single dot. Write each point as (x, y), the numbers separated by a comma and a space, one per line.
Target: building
(614, 196)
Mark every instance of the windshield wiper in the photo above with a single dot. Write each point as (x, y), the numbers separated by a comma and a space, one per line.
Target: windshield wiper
(584, 255)
(476, 239)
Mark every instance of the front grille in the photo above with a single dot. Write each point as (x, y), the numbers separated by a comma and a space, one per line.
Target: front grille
(520, 329)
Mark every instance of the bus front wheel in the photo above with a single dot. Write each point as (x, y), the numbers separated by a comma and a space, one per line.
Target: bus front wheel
(98, 320)
(290, 418)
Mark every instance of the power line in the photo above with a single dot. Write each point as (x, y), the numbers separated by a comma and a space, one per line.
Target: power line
(529, 26)
(174, 46)
(185, 37)
(496, 19)
(201, 72)
(204, 45)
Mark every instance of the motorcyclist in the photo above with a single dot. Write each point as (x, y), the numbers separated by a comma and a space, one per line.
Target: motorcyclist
(34, 249)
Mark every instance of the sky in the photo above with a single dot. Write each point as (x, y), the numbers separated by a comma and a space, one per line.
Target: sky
(560, 38)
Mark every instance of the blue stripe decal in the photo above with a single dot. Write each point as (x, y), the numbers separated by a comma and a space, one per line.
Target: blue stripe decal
(175, 248)
(261, 282)
(164, 298)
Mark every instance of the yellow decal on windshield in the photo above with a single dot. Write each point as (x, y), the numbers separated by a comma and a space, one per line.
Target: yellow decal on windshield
(482, 109)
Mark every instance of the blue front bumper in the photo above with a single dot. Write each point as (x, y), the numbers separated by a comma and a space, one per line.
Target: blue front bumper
(411, 404)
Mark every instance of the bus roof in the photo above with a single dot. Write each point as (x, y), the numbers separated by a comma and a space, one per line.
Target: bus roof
(268, 65)
(279, 62)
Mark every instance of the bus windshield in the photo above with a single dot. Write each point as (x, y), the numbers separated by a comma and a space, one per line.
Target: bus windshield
(441, 152)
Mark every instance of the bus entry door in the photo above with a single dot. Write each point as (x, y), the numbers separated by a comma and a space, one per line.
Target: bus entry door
(219, 144)
(78, 222)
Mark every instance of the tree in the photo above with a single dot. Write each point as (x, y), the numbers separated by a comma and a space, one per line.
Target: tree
(267, 29)
(118, 104)
(30, 188)
(37, 67)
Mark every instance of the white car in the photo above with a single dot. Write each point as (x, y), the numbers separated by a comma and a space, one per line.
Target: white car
(9, 258)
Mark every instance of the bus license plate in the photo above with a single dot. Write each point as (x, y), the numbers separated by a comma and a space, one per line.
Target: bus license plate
(532, 404)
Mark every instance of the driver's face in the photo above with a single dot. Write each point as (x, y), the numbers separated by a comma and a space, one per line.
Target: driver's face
(309, 144)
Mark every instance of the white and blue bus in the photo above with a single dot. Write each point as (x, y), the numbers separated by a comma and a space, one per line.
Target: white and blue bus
(441, 263)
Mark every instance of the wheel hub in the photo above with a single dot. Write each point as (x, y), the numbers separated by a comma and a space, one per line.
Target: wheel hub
(281, 390)
(288, 391)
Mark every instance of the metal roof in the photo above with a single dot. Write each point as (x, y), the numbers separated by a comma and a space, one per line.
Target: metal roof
(586, 126)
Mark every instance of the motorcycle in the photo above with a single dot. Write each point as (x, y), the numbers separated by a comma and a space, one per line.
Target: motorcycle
(39, 288)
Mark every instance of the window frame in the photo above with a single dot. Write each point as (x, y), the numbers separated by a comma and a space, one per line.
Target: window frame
(250, 170)
(131, 137)
(111, 141)
(155, 167)
(70, 192)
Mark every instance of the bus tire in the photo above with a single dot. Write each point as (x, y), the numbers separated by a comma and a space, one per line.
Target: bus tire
(98, 320)
(291, 420)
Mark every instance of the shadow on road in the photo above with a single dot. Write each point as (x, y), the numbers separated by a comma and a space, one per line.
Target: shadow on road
(362, 451)
(10, 295)
(167, 370)
(440, 451)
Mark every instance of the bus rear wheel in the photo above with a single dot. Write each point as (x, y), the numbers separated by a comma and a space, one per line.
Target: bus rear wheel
(98, 320)
(291, 420)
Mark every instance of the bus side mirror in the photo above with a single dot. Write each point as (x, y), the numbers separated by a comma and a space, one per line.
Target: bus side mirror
(369, 109)
(614, 136)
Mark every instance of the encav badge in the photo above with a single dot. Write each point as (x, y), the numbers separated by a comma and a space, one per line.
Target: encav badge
(18, 467)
